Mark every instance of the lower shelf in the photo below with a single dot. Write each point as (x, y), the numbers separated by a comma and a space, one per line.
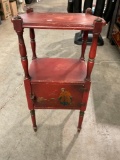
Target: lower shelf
(57, 70)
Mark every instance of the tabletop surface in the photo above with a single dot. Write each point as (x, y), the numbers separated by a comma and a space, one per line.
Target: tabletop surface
(75, 21)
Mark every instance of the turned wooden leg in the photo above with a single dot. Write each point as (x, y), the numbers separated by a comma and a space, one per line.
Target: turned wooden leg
(84, 44)
(80, 120)
(32, 112)
(33, 43)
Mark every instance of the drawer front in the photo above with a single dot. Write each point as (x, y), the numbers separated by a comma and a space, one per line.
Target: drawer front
(57, 96)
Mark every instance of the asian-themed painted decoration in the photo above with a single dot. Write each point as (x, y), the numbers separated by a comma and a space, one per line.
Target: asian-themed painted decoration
(65, 97)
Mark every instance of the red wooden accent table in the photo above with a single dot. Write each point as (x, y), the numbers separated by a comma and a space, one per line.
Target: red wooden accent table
(57, 83)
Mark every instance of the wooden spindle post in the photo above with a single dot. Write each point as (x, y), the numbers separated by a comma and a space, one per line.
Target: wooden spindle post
(17, 21)
(97, 29)
(23, 54)
(33, 43)
(32, 37)
(85, 37)
(84, 44)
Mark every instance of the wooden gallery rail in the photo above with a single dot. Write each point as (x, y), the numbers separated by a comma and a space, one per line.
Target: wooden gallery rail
(57, 83)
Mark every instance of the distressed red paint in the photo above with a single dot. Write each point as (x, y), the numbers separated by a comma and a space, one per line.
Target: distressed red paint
(57, 83)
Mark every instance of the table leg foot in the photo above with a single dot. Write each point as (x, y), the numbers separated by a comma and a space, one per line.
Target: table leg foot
(35, 129)
(78, 130)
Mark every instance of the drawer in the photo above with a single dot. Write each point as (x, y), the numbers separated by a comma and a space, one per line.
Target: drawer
(57, 95)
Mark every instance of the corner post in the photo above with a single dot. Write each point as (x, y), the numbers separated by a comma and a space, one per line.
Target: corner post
(92, 54)
(17, 22)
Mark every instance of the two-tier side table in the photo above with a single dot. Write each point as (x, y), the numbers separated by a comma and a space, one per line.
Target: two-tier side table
(57, 83)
